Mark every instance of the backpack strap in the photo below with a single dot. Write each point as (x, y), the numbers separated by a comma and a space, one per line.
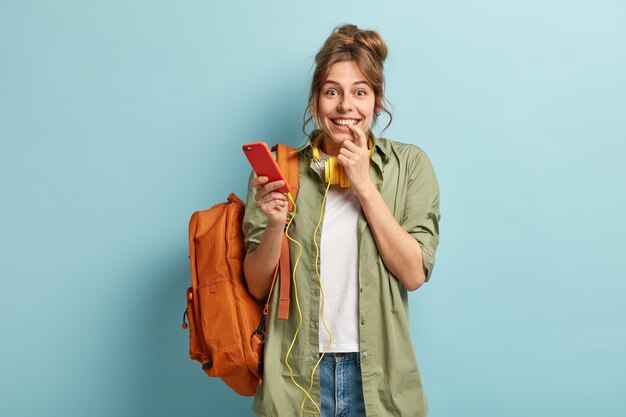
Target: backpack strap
(283, 296)
(289, 163)
(285, 280)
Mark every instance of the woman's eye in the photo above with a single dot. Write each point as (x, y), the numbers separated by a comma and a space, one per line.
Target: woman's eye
(332, 93)
(361, 93)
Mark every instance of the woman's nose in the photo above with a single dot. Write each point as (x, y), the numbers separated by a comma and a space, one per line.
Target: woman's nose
(345, 104)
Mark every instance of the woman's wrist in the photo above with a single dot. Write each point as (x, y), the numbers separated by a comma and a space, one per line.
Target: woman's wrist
(275, 228)
(366, 191)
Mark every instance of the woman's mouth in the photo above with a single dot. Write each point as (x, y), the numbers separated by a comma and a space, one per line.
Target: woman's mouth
(342, 124)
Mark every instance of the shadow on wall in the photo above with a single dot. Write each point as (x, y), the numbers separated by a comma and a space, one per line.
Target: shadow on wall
(166, 381)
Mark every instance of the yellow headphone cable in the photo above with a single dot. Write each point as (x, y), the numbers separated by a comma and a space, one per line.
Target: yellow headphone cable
(307, 393)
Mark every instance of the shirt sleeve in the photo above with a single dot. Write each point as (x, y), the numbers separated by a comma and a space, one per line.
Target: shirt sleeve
(254, 221)
(421, 213)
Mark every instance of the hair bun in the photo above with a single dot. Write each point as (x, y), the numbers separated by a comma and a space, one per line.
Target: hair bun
(370, 39)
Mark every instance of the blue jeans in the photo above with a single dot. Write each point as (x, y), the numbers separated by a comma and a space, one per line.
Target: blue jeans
(340, 384)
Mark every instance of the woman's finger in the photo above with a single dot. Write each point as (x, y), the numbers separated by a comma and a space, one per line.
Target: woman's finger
(359, 136)
(263, 190)
(273, 185)
(258, 181)
(272, 196)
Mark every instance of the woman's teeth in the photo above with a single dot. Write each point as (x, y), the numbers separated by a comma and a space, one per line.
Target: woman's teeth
(345, 122)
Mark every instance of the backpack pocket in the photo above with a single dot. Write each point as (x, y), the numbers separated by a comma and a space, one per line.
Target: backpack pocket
(219, 316)
(224, 331)
(198, 350)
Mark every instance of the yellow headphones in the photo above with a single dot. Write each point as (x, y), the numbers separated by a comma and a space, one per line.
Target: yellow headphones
(333, 172)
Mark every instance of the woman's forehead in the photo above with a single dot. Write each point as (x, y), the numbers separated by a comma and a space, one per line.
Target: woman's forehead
(345, 73)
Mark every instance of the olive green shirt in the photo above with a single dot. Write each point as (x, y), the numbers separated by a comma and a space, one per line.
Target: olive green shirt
(392, 386)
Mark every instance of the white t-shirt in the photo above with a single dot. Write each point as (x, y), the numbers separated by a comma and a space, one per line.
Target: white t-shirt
(339, 271)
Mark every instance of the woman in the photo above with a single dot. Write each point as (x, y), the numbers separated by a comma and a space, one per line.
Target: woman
(364, 245)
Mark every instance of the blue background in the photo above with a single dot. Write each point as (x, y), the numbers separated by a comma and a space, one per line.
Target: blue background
(118, 119)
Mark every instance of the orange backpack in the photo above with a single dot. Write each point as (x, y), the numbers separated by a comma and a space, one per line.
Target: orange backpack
(226, 324)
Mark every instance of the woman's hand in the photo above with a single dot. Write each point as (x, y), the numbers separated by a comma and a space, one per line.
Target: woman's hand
(272, 203)
(400, 252)
(260, 264)
(355, 159)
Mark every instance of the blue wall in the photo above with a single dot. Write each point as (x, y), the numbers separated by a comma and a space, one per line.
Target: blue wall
(118, 119)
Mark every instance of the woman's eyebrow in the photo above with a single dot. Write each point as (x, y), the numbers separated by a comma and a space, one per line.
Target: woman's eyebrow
(354, 83)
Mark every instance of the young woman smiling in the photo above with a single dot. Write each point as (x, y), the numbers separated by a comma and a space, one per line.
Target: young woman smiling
(365, 243)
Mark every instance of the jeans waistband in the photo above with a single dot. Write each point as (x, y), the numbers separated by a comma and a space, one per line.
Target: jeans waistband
(340, 356)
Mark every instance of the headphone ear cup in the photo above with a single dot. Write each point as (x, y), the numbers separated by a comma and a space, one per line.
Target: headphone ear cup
(329, 170)
(343, 179)
(334, 173)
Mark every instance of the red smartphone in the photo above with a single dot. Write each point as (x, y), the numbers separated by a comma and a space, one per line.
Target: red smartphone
(264, 164)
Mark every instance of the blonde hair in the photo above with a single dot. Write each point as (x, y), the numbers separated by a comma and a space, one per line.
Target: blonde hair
(367, 49)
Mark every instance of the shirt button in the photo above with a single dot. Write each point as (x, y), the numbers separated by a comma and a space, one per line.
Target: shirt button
(362, 321)
(361, 290)
(365, 354)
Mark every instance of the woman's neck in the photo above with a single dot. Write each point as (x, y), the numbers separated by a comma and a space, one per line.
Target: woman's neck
(327, 145)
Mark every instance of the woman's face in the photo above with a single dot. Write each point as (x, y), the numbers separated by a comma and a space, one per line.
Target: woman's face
(344, 98)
